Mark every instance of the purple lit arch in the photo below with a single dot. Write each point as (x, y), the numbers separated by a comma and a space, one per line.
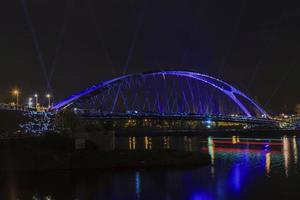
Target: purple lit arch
(239, 98)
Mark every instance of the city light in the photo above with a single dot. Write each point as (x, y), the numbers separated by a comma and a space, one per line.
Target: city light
(36, 100)
(145, 100)
(48, 96)
(16, 93)
(30, 103)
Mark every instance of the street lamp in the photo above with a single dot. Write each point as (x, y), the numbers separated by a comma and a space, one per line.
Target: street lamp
(36, 96)
(48, 96)
(30, 102)
(16, 93)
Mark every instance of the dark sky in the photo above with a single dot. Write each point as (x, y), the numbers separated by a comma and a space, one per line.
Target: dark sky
(253, 45)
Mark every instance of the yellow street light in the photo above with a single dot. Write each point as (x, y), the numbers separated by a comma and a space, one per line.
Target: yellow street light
(16, 93)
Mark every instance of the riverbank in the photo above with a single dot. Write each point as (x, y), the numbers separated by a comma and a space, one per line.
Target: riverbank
(51, 153)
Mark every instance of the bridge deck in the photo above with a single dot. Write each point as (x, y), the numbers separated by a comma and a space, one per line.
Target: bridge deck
(240, 119)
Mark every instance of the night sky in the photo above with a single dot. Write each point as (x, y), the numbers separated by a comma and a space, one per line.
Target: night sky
(67, 45)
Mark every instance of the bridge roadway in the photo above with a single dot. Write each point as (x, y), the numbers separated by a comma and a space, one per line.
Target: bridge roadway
(207, 118)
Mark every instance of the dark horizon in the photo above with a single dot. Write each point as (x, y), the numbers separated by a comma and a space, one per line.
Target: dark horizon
(66, 46)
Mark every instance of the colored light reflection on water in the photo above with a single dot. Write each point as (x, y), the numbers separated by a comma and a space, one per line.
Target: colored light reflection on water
(240, 168)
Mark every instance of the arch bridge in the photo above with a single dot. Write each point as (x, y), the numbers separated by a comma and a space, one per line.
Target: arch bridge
(165, 94)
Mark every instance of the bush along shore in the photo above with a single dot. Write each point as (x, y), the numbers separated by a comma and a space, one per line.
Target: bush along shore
(57, 152)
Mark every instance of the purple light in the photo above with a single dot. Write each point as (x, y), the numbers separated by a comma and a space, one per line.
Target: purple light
(224, 87)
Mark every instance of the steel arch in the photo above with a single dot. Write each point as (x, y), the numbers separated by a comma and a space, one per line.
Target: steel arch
(224, 87)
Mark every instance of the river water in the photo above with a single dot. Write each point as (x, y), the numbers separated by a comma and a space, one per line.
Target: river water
(240, 168)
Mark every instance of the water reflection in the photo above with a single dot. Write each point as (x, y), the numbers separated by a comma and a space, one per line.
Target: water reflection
(167, 143)
(131, 143)
(211, 152)
(250, 151)
(138, 185)
(240, 167)
(295, 151)
(286, 151)
(268, 163)
(148, 143)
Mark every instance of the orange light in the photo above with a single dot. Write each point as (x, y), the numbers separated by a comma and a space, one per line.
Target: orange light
(16, 92)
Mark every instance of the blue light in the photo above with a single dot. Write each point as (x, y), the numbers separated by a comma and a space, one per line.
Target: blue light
(224, 87)
(137, 185)
(38, 123)
(201, 196)
(266, 147)
(236, 177)
(208, 121)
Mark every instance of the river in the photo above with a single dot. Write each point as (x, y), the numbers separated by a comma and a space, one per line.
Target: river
(240, 168)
